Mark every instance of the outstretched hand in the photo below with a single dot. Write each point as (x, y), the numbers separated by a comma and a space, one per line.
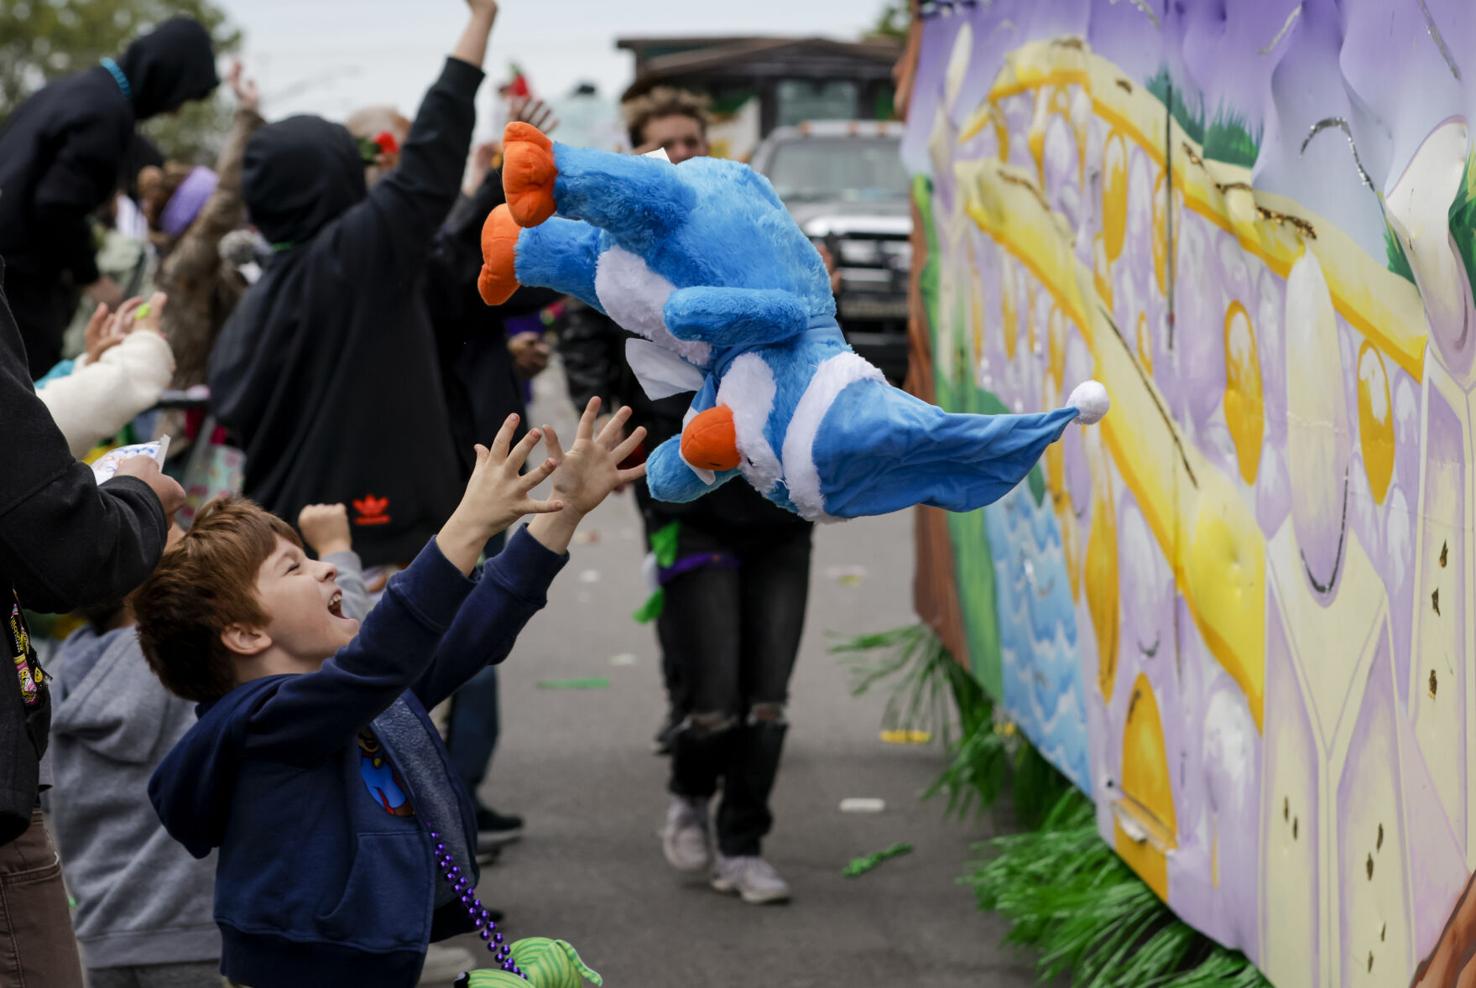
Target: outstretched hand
(248, 97)
(106, 329)
(590, 470)
(325, 528)
(497, 494)
(587, 473)
(532, 110)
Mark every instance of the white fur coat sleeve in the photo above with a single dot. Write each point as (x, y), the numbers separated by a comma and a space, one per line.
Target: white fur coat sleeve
(97, 399)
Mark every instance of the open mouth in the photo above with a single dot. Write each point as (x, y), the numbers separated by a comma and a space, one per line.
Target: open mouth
(335, 604)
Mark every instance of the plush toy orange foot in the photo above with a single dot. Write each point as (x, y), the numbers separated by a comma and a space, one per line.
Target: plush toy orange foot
(710, 440)
(528, 173)
(499, 278)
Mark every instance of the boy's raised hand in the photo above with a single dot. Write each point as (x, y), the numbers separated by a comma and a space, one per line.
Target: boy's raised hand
(590, 470)
(325, 528)
(587, 473)
(497, 494)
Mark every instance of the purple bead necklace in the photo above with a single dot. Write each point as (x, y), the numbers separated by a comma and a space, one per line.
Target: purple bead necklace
(481, 919)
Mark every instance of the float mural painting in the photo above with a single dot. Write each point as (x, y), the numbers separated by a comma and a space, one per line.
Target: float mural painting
(1237, 613)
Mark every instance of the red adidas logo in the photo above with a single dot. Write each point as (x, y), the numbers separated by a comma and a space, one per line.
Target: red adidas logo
(371, 510)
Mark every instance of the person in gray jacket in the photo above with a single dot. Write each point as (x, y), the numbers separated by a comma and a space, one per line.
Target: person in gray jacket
(144, 914)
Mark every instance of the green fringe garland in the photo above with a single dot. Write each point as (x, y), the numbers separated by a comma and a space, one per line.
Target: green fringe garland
(1063, 889)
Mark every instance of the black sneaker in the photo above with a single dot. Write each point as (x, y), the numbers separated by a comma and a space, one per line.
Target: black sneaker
(494, 829)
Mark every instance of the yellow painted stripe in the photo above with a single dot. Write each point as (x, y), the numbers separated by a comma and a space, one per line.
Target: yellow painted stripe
(1196, 513)
(1380, 305)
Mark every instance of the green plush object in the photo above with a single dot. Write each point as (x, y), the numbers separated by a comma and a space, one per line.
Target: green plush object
(552, 963)
(494, 979)
(662, 556)
(547, 964)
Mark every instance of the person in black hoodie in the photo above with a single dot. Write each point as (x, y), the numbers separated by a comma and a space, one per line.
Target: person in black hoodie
(326, 373)
(62, 154)
(65, 542)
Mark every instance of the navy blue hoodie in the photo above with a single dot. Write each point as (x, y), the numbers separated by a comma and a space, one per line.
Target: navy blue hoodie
(316, 883)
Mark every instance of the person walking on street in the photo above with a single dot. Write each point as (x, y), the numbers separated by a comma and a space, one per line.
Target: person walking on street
(734, 599)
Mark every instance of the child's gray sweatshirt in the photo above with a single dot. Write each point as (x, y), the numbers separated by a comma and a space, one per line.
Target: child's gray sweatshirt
(141, 898)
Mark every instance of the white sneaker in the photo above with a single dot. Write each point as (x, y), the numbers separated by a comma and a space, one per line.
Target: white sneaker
(444, 964)
(750, 877)
(685, 840)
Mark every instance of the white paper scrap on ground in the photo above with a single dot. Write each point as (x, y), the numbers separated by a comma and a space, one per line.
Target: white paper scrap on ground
(862, 804)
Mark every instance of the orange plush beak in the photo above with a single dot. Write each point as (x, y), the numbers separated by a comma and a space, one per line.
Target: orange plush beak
(499, 279)
(528, 173)
(710, 440)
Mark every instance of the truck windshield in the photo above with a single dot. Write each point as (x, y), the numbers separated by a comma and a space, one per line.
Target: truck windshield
(847, 168)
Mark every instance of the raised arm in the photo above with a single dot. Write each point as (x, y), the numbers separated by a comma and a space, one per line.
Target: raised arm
(197, 255)
(513, 587)
(313, 714)
(100, 398)
(403, 211)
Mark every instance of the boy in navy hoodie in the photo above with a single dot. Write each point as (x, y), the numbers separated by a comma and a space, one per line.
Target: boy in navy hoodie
(346, 843)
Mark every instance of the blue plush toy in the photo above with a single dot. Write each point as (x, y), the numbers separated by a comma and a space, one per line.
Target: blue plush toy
(730, 300)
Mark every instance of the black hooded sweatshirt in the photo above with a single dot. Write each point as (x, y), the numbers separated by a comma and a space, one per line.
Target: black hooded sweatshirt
(326, 373)
(482, 385)
(65, 543)
(61, 157)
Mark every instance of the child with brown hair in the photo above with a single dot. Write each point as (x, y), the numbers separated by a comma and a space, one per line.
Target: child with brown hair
(346, 843)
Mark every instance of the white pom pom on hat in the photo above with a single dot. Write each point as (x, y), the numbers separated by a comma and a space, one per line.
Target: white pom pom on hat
(1090, 399)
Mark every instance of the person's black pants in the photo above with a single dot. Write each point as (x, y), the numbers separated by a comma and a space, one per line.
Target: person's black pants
(734, 632)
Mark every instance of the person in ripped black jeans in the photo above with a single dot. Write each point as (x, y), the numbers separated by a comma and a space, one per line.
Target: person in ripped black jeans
(734, 598)
(65, 542)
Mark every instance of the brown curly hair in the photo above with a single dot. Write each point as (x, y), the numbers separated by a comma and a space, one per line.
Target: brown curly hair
(663, 101)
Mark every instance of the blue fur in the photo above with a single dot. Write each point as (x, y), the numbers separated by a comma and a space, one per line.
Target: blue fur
(670, 479)
(560, 254)
(634, 199)
(735, 317)
(705, 222)
(882, 450)
(747, 280)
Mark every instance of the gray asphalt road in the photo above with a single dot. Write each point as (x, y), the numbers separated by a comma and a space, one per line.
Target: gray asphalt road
(577, 764)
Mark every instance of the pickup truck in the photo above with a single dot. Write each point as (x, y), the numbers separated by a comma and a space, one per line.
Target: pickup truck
(844, 183)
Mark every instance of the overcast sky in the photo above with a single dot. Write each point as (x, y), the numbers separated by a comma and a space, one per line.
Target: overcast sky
(331, 56)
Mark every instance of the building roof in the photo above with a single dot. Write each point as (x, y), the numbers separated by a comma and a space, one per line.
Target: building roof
(659, 59)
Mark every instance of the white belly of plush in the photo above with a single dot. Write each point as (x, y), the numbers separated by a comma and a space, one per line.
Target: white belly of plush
(635, 297)
(748, 388)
